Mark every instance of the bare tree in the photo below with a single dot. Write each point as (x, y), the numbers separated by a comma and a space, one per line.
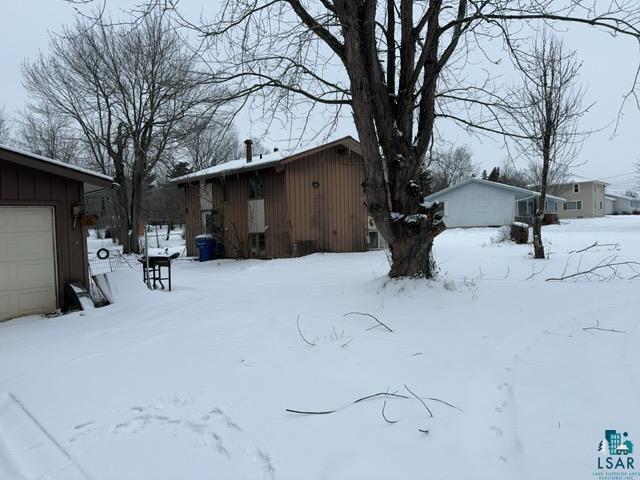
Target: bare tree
(510, 174)
(398, 66)
(451, 166)
(210, 143)
(549, 107)
(5, 127)
(43, 131)
(130, 89)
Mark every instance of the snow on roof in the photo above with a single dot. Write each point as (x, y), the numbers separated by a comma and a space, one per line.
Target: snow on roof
(260, 160)
(617, 194)
(522, 191)
(55, 162)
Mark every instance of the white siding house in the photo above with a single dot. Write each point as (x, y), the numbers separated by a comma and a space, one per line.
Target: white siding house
(481, 203)
(618, 204)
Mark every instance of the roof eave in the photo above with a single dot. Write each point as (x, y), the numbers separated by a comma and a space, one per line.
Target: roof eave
(24, 159)
(348, 141)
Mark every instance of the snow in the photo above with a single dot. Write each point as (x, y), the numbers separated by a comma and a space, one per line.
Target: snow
(257, 161)
(194, 383)
(520, 224)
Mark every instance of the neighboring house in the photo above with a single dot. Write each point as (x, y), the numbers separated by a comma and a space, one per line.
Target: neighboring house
(482, 203)
(618, 204)
(43, 246)
(584, 199)
(281, 204)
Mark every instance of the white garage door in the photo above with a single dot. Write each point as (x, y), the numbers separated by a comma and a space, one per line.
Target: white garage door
(27, 261)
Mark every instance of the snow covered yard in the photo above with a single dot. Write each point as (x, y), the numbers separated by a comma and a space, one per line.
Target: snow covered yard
(194, 384)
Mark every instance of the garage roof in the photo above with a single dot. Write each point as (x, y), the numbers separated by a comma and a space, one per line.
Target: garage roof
(522, 192)
(56, 167)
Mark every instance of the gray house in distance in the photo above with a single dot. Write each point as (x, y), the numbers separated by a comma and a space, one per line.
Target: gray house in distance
(482, 203)
(619, 204)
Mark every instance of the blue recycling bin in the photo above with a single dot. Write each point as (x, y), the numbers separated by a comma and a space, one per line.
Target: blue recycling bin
(206, 246)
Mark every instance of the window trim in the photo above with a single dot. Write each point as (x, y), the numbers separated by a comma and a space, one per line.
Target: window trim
(578, 204)
(576, 188)
(259, 195)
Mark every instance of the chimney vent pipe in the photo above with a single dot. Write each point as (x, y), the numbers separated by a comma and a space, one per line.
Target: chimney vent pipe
(249, 149)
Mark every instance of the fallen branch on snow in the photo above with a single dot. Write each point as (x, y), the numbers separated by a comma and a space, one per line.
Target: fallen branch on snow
(370, 316)
(301, 335)
(384, 416)
(420, 400)
(613, 267)
(369, 397)
(612, 330)
(615, 246)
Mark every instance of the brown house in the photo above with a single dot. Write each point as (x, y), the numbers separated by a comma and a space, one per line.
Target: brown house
(43, 245)
(281, 204)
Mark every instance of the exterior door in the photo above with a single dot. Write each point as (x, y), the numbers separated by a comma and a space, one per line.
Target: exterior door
(27, 261)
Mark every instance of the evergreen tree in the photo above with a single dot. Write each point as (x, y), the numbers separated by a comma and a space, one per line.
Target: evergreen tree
(484, 174)
(603, 447)
(494, 176)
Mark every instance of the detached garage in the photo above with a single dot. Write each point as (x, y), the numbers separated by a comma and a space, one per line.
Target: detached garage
(42, 242)
(482, 203)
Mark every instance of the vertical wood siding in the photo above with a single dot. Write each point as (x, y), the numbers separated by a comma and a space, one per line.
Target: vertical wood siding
(277, 238)
(23, 186)
(193, 225)
(331, 216)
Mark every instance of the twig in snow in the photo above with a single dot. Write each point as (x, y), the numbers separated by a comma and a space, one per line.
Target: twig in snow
(346, 344)
(533, 271)
(381, 394)
(443, 402)
(368, 397)
(423, 431)
(384, 416)
(300, 332)
(595, 271)
(370, 316)
(612, 330)
(615, 246)
(420, 400)
(302, 412)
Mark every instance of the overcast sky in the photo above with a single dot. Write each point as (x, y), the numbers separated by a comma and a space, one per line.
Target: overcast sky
(608, 72)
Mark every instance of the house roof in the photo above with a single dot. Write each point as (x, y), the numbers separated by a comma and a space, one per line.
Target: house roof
(56, 167)
(569, 184)
(270, 159)
(522, 192)
(614, 195)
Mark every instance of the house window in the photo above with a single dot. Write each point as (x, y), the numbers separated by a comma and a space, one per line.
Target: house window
(442, 209)
(211, 222)
(207, 221)
(573, 205)
(601, 205)
(225, 192)
(256, 187)
(576, 188)
(257, 245)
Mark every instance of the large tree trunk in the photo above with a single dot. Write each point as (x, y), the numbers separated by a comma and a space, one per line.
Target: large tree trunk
(136, 214)
(395, 185)
(411, 254)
